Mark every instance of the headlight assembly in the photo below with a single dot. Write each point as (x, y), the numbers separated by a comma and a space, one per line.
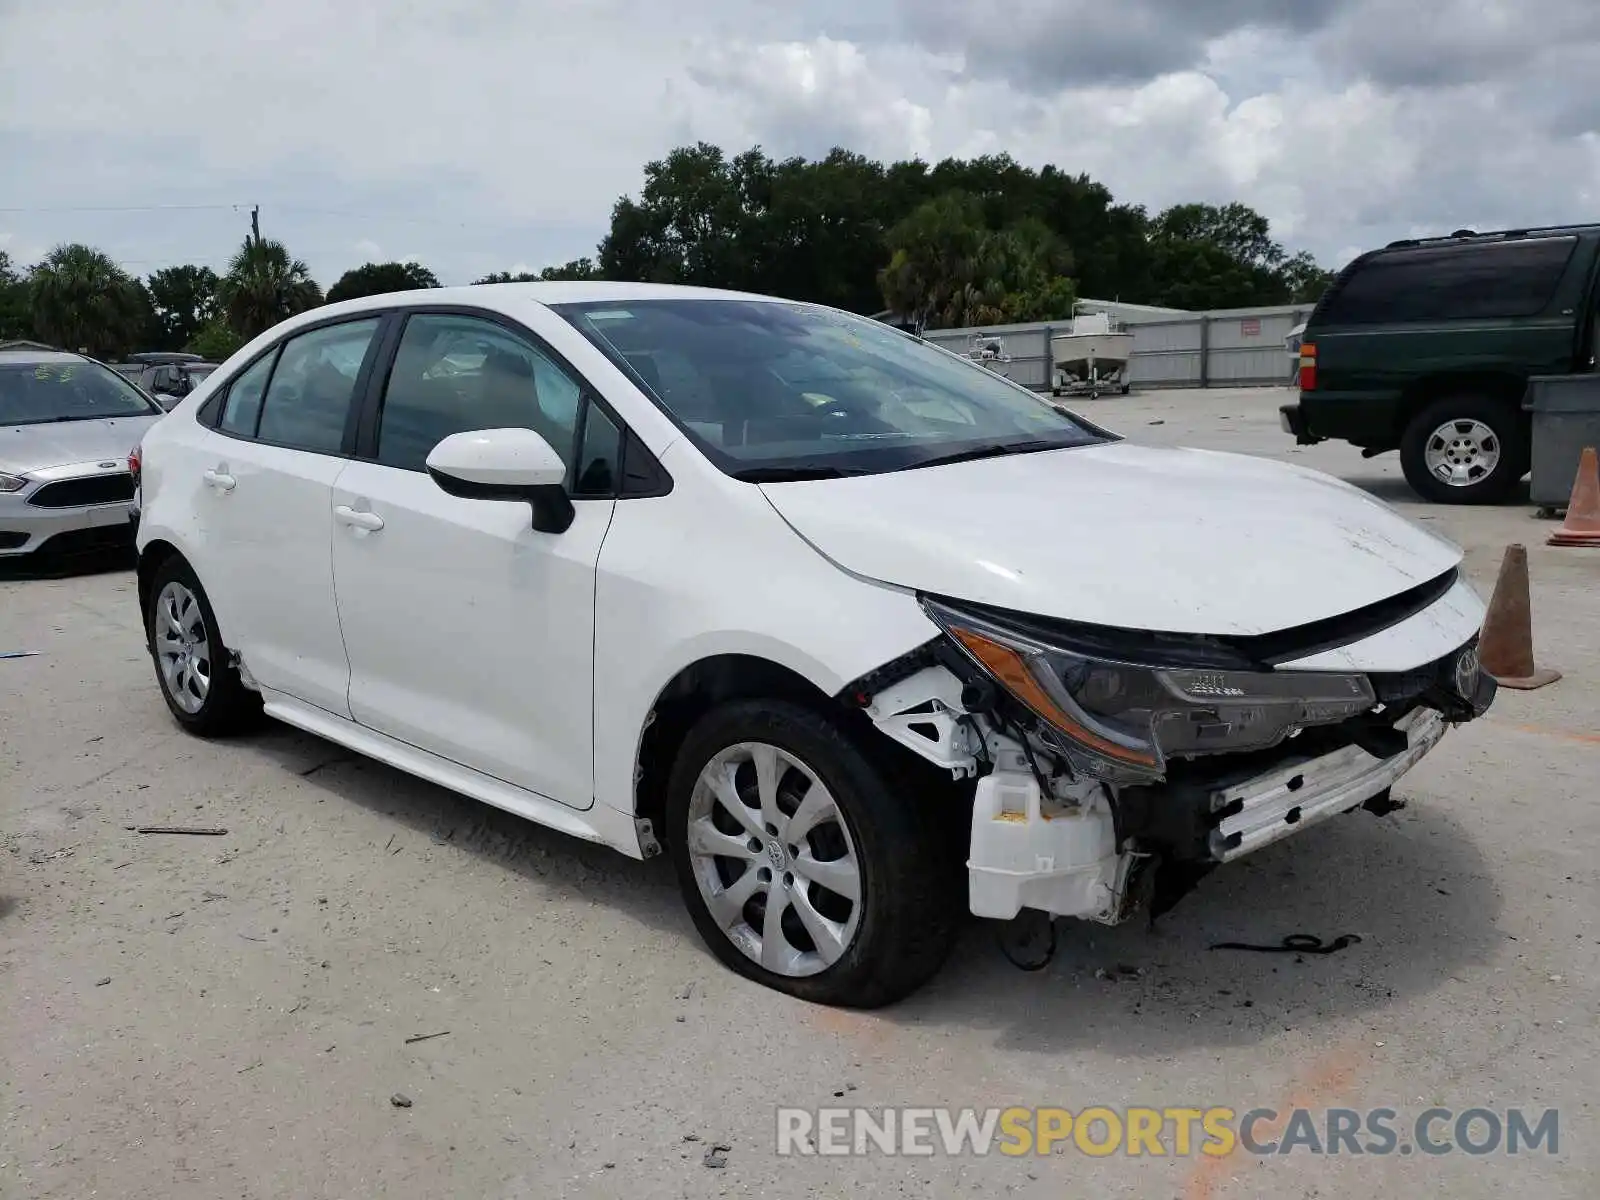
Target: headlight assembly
(12, 483)
(1122, 721)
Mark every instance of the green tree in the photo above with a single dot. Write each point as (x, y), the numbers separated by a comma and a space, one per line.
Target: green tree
(947, 268)
(578, 268)
(819, 230)
(1237, 229)
(935, 263)
(184, 300)
(16, 316)
(1305, 279)
(263, 286)
(214, 341)
(374, 279)
(507, 277)
(82, 300)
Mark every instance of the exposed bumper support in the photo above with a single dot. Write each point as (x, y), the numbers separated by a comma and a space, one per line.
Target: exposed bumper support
(1060, 854)
(1289, 798)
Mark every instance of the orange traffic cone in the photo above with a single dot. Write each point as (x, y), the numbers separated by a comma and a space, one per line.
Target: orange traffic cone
(1582, 526)
(1505, 647)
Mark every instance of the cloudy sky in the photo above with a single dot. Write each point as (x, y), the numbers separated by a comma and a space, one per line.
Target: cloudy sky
(478, 135)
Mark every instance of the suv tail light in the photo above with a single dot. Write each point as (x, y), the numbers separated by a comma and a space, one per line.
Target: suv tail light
(133, 465)
(1308, 367)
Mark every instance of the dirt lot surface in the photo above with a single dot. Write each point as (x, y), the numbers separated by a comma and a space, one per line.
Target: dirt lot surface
(203, 1017)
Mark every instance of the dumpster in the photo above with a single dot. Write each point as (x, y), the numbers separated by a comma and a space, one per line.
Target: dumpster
(1566, 418)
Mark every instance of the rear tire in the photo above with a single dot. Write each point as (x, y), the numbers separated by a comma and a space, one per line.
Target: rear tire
(756, 781)
(194, 670)
(1466, 449)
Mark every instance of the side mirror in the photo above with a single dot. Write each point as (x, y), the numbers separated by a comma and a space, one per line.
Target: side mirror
(505, 464)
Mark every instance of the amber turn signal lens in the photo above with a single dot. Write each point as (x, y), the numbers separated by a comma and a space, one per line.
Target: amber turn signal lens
(1007, 665)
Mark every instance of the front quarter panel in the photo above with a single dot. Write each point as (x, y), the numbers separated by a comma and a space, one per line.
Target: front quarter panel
(711, 569)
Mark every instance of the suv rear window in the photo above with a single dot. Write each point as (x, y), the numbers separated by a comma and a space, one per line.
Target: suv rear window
(1451, 283)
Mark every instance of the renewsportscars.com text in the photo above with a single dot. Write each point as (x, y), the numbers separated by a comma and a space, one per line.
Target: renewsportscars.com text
(1165, 1132)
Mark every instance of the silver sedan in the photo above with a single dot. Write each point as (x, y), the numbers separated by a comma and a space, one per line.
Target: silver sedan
(67, 425)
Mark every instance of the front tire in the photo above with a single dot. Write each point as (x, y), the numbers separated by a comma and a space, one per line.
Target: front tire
(198, 681)
(1465, 450)
(802, 867)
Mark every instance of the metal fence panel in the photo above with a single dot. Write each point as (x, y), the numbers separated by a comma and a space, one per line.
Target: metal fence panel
(1228, 348)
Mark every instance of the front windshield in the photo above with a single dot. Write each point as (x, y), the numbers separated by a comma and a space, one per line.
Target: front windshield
(772, 390)
(32, 393)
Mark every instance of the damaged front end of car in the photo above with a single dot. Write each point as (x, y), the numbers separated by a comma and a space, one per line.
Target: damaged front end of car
(1112, 769)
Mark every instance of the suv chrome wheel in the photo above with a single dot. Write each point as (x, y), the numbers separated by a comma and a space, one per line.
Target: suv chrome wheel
(182, 649)
(1461, 453)
(774, 860)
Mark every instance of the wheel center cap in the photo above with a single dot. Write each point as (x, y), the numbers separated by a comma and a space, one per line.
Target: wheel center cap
(777, 854)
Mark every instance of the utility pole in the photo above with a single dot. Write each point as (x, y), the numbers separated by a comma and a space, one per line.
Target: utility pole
(255, 223)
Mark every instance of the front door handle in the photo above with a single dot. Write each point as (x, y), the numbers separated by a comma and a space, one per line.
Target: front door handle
(357, 519)
(221, 480)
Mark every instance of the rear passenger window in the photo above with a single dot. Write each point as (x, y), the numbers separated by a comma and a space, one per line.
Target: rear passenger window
(1463, 281)
(308, 400)
(242, 409)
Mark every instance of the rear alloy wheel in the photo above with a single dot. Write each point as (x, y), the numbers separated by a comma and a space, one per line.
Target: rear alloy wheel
(802, 868)
(1464, 450)
(201, 686)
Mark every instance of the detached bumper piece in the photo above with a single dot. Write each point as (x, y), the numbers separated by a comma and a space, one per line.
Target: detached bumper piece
(1289, 798)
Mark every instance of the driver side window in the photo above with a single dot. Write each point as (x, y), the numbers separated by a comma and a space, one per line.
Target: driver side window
(456, 373)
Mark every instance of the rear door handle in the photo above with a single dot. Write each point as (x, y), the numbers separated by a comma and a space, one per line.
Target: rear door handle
(357, 519)
(221, 480)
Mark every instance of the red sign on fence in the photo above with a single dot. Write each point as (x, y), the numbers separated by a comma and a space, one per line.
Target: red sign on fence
(1250, 327)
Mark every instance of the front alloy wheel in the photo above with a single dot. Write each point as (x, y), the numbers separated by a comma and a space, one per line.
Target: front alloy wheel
(807, 860)
(774, 860)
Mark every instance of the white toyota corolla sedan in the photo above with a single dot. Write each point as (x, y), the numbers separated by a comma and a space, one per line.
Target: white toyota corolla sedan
(826, 613)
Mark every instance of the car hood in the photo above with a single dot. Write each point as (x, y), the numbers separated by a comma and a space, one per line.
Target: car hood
(1182, 541)
(34, 447)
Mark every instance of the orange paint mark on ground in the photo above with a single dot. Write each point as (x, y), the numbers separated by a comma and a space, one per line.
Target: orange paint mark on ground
(1590, 739)
(844, 1023)
(1328, 1079)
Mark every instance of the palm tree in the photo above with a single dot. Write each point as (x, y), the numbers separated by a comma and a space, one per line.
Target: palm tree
(264, 285)
(83, 301)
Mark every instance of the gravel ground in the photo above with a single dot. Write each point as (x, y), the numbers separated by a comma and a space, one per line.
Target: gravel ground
(229, 1016)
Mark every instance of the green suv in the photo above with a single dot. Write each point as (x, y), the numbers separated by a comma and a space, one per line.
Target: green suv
(1426, 347)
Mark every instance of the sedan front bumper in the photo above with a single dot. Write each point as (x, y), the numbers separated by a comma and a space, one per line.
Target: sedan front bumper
(25, 526)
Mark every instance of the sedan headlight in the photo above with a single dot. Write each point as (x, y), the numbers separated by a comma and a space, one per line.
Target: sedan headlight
(12, 483)
(1122, 721)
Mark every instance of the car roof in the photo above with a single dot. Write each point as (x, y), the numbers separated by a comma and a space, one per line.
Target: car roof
(34, 357)
(511, 296)
(508, 298)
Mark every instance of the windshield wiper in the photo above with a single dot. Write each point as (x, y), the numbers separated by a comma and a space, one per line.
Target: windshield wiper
(995, 450)
(796, 473)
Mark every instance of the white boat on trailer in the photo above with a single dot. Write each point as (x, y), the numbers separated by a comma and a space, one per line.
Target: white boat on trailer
(1092, 358)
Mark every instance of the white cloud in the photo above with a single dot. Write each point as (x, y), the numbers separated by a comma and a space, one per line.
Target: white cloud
(482, 133)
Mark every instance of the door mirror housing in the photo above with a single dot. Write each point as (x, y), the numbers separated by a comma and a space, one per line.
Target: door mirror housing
(505, 464)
